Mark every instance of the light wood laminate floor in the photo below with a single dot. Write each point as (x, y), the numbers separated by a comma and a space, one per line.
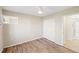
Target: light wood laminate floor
(41, 45)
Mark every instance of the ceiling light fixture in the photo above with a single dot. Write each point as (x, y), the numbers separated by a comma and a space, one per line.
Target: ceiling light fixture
(40, 10)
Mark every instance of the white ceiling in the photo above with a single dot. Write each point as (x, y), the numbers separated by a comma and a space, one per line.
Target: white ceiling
(33, 10)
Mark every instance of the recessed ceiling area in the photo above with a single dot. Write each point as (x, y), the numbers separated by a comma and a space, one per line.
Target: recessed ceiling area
(36, 10)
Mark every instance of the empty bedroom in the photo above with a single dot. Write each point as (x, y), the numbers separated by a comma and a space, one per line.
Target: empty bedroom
(39, 29)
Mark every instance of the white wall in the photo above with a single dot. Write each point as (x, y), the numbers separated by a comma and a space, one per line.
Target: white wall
(53, 29)
(28, 28)
(1, 39)
(68, 28)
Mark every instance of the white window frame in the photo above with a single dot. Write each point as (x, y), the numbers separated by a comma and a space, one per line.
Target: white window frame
(9, 18)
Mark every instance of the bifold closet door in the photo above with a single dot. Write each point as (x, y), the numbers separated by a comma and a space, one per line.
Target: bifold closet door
(53, 29)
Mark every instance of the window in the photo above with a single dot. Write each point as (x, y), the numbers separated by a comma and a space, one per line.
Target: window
(76, 28)
(10, 20)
